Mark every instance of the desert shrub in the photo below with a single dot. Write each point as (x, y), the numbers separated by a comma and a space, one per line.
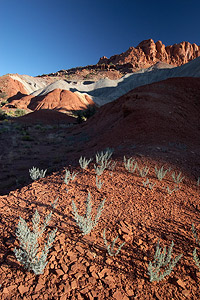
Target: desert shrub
(27, 255)
(171, 191)
(110, 248)
(160, 173)
(86, 224)
(19, 112)
(99, 169)
(69, 176)
(103, 156)
(144, 171)
(178, 179)
(147, 183)
(83, 115)
(36, 173)
(128, 163)
(99, 183)
(102, 160)
(195, 256)
(161, 260)
(84, 162)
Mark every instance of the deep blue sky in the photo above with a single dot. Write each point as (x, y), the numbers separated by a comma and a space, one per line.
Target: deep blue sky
(44, 36)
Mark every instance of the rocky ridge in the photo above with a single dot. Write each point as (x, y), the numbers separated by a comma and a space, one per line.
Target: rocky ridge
(148, 53)
(145, 55)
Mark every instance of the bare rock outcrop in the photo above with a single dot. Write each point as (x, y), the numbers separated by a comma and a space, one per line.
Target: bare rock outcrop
(147, 53)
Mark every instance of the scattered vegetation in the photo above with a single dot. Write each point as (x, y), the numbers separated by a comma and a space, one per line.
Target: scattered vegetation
(128, 163)
(27, 255)
(103, 156)
(99, 169)
(110, 248)
(99, 183)
(171, 191)
(83, 115)
(84, 162)
(178, 179)
(195, 256)
(161, 260)
(160, 173)
(69, 176)
(86, 224)
(102, 160)
(144, 171)
(147, 183)
(36, 173)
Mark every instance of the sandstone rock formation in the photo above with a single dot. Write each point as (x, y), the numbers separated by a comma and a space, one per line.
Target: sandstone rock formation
(10, 87)
(60, 100)
(147, 53)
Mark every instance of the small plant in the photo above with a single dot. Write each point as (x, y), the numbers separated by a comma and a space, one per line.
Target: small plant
(195, 234)
(103, 156)
(144, 171)
(195, 256)
(171, 191)
(198, 181)
(112, 167)
(160, 173)
(36, 173)
(27, 255)
(151, 185)
(128, 163)
(161, 260)
(178, 179)
(110, 248)
(84, 162)
(19, 112)
(99, 183)
(146, 182)
(86, 224)
(69, 176)
(99, 169)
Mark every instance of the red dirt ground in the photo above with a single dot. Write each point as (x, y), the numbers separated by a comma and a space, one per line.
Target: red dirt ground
(157, 125)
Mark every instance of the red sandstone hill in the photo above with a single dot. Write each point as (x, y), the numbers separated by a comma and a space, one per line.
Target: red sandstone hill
(145, 55)
(10, 87)
(164, 111)
(148, 53)
(61, 100)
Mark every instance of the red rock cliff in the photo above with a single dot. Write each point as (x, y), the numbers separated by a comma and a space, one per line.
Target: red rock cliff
(147, 53)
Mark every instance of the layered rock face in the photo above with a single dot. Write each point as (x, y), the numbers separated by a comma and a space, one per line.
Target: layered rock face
(147, 53)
